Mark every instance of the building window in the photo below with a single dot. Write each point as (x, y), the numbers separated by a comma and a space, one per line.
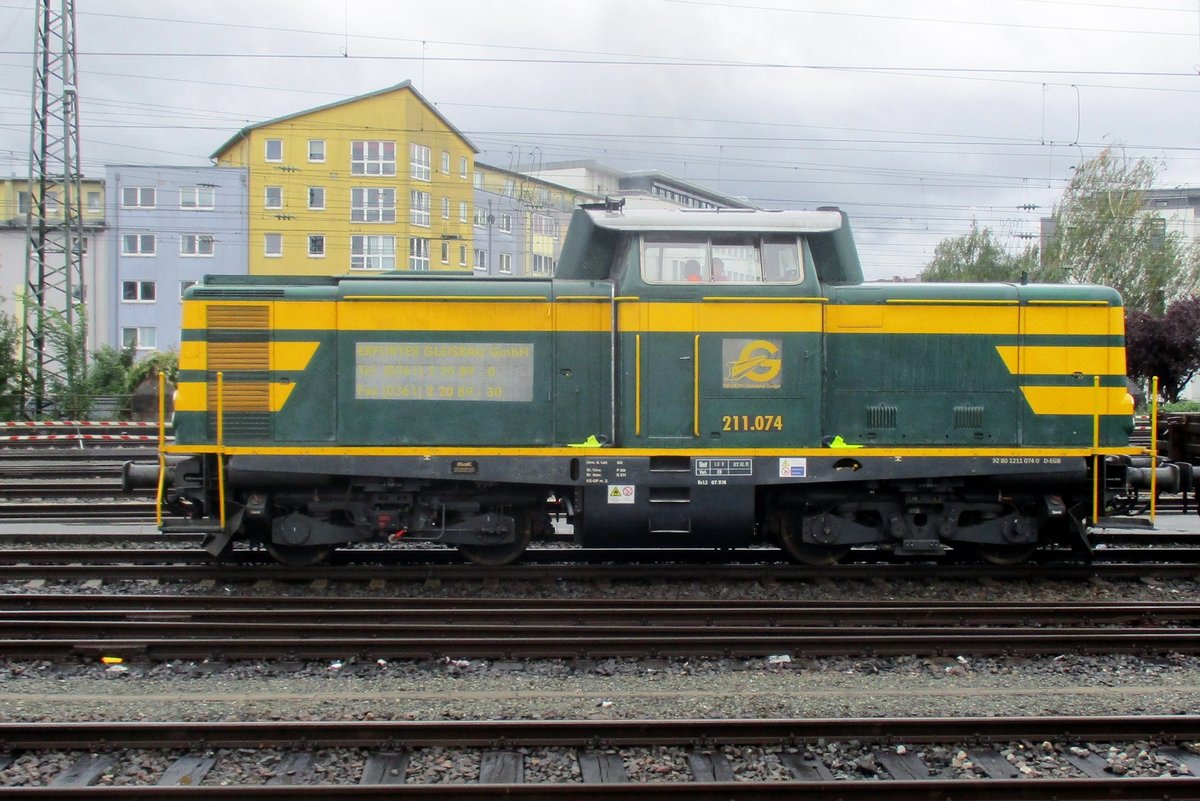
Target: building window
(183, 287)
(316, 197)
(197, 197)
(371, 205)
(316, 246)
(372, 157)
(546, 226)
(462, 210)
(22, 203)
(274, 150)
(445, 163)
(506, 222)
(542, 265)
(137, 197)
(462, 255)
(462, 167)
(478, 180)
(137, 291)
(316, 149)
(481, 217)
(420, 208)
(273, 197)
(418, 254)
(196, 245)
(480, 259)
(419, 161)
(137, 245)
(372, 252)
(273, 245)
(140, 338)
(510, 187)
(506, 263)
(445, 208)
(445, 253)
(93, 201)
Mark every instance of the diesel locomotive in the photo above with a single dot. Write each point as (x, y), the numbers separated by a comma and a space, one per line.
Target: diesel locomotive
(688, 378)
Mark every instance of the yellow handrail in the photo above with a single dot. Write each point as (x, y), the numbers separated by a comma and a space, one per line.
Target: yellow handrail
(1095, 450)
(221, 446)
(1154, 449)
(162, 442)
(637, 385)
(696, 386)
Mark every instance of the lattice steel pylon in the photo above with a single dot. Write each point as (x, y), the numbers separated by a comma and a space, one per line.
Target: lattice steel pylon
(54, 355)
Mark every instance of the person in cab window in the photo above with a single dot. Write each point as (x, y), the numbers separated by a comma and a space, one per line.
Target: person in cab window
(718, 271)
(691, 270)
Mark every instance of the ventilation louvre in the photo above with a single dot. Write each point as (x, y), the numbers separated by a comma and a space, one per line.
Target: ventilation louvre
(881, 416)
(968, 417)
(239, 348)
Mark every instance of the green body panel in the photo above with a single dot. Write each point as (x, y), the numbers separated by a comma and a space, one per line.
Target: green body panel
(674, 384)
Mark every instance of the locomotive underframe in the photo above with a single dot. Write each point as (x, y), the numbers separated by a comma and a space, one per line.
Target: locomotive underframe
(491, 506)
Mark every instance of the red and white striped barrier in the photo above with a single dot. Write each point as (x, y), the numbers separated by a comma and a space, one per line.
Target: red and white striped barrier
(78, 437)
(78, 424)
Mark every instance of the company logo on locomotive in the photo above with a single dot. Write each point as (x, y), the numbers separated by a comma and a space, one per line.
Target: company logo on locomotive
(752, 363)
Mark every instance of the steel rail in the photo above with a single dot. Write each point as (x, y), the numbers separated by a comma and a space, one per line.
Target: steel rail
(1189, 558)
(74, 568)
(29, 610)
(170, 641)
(592, 733)
(1156, 789)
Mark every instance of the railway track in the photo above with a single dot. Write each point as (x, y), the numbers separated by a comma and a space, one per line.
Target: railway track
(711, 750)
(150, 627)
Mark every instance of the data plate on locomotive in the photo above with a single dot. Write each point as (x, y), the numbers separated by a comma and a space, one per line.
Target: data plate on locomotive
(724, 468)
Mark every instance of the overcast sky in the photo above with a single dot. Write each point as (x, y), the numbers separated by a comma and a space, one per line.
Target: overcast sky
(913, 115)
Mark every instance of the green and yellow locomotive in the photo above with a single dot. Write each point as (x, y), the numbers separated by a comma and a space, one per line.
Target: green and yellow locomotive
(689, 378)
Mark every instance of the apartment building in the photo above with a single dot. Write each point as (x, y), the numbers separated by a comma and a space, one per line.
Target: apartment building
(168, 227)
(371, 183)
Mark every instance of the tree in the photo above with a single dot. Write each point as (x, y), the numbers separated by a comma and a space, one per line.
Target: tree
(977, 256)
(10, 367)
(1167, 346)
(1104, 235)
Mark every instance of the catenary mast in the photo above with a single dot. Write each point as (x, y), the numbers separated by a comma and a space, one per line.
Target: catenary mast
(55, 336)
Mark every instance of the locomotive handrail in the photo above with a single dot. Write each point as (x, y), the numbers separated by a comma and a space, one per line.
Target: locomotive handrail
(696, 386)
(637, 385)
(1096, 503)
(221, 446)
(162, 456)
(1153, 448)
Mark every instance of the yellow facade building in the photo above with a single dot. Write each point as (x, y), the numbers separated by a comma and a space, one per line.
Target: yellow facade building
(381, 181)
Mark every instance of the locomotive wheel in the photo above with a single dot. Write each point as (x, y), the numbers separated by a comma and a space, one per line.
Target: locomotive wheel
(791, 533)
(1005, 554)
(509, 552)
(300, 555)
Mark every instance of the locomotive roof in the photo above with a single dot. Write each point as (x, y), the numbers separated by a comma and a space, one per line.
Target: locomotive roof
(806, 222)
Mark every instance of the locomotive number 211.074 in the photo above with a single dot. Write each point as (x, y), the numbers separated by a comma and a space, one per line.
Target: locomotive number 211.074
(748, 422)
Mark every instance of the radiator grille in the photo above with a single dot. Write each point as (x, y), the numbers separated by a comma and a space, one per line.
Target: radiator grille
(239, 348)
(970, 417)
(881, 416)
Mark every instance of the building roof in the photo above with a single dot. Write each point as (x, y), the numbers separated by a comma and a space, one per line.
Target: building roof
(524, 176)
(587, 164)
(295, 115)
(643, 179)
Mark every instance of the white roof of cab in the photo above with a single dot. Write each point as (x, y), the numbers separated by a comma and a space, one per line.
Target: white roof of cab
(804, 222)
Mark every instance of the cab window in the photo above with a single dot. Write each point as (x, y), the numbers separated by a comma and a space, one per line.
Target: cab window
(734, 259)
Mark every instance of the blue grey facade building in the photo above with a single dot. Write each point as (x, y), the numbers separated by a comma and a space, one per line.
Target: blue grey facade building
(168, 227)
